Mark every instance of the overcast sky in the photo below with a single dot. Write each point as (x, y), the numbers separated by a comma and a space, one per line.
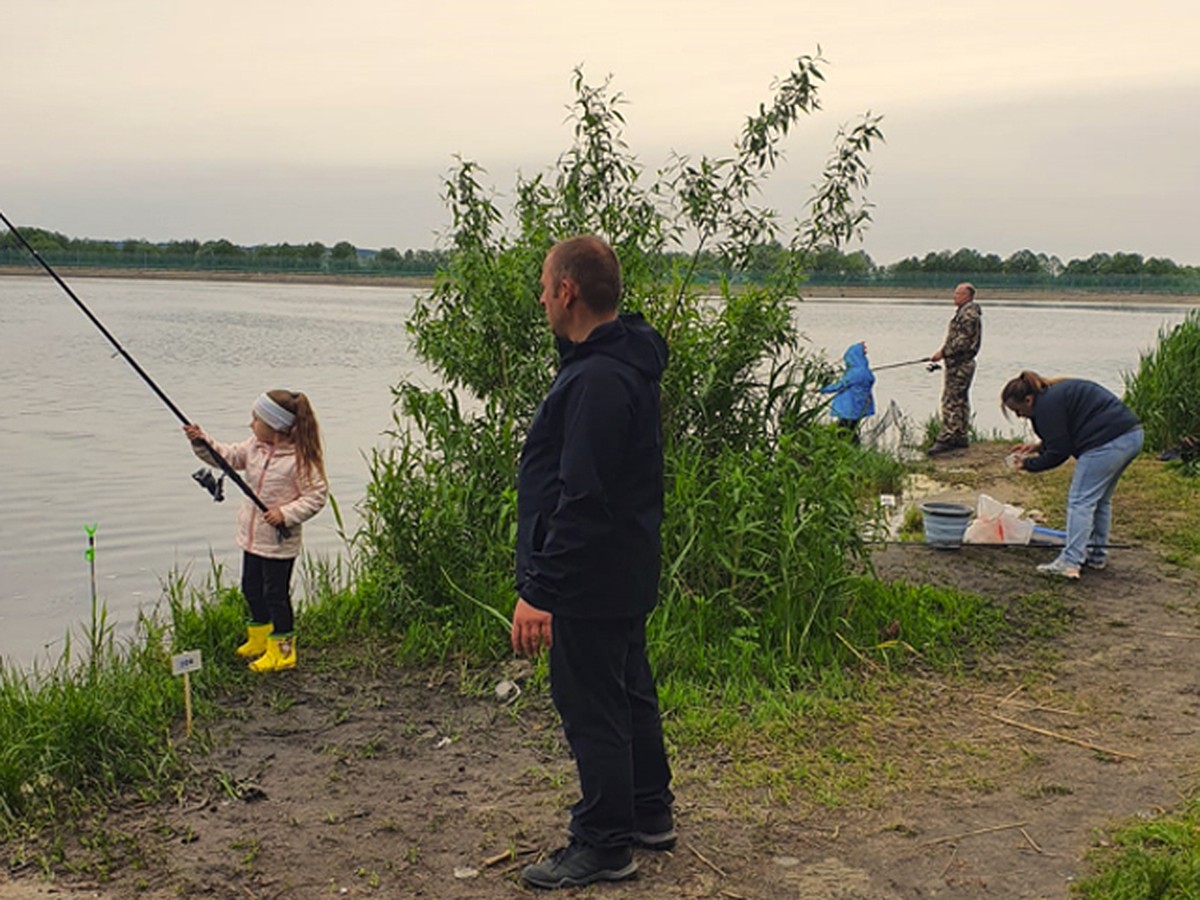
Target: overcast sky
(1064, 126)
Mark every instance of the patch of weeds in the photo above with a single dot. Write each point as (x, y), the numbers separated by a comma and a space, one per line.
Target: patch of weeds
(239, 788)
(899, 621)
(250, 849)
(1033, 759)
(336, 752)
(411, 730)
(106, 851)
(1043, 791)
(838, 755)
(1159, 858)
(1041, 615)
(373, 747)
(280, 702)
(371, 876)
(912, 527)
(982, 784)
(548, 777)
(969, 749)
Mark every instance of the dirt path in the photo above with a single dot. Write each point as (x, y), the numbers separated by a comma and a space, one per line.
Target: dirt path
(329, 783)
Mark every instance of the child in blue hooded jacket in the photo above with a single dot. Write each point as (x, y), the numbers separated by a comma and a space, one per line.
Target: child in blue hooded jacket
(853, 398)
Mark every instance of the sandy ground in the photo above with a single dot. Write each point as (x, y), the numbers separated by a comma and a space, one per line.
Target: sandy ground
(380, 782)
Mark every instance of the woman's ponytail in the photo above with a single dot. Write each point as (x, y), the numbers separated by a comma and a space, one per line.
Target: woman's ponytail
(1019, 389)
(306, 433)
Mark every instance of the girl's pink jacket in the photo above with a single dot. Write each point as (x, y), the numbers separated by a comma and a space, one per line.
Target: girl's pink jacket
(271, 472)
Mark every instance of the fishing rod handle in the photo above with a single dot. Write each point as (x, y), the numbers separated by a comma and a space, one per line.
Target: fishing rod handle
(283, 531)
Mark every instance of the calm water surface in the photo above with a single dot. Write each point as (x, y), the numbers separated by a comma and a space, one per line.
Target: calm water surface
(84, 441)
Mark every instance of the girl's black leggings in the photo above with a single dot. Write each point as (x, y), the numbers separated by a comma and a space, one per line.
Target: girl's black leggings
(266, 584)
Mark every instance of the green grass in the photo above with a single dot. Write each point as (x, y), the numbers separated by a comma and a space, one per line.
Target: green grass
(932, 427)
(1163, 390)
(98, 723)
(1154, 860)
(1155, 504)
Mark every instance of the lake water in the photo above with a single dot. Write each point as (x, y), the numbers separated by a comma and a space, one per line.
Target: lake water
(84, 441)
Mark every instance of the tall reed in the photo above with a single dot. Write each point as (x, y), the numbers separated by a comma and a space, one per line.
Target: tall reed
(84, 727)
(1164, 389)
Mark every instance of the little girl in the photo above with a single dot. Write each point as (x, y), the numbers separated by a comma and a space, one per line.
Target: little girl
(285, 466)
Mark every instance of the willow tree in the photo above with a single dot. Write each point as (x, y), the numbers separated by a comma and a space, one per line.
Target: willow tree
(739, 414)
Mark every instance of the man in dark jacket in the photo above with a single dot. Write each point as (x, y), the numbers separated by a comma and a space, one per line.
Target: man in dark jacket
(589, 508)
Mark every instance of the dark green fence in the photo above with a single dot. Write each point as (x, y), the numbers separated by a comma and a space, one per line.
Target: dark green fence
(1188, 284)
(200, 262)
(946, 281)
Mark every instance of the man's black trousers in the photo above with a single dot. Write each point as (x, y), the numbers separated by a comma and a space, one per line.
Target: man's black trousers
(602, 686)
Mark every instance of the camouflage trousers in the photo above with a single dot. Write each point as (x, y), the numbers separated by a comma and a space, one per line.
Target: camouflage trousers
(956, 403)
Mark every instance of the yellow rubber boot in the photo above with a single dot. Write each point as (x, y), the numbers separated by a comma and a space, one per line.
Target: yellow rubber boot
(280, 655)
(256, 640)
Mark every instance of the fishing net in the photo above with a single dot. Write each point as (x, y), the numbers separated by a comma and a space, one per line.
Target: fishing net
(886, 433)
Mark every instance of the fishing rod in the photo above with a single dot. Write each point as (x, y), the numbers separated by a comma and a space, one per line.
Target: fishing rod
(885, 542)
(212, 486)
(912, 362)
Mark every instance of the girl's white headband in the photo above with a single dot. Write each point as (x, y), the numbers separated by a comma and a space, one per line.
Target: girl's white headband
(274, 415)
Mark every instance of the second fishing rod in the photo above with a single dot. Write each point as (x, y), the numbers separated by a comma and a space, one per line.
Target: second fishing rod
(209, 483)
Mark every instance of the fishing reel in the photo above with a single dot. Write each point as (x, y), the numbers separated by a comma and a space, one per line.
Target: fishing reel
(215, 486)
(933, 367)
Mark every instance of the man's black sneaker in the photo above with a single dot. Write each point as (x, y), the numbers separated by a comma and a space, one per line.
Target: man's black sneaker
(658, 840)
(577, 864)
(946, 446)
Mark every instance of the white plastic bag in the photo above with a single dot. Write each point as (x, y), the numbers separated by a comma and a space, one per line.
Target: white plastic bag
(998, 523)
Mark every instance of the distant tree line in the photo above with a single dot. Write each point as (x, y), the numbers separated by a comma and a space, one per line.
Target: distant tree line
(221, 254)
(966, 261)
(1130, 271)
(1108, 271)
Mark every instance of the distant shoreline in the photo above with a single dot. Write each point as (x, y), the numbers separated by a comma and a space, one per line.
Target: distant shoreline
(259, 277)
(829, 292)
(816, 292)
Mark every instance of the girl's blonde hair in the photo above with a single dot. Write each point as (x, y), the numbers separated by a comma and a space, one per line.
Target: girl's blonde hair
(1025, 385)
(305, 433)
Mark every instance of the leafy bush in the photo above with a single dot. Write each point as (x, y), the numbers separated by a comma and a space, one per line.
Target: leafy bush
(1164, 389)
(763, 511)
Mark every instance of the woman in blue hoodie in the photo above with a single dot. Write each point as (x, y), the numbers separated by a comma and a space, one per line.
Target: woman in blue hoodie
(853, 398)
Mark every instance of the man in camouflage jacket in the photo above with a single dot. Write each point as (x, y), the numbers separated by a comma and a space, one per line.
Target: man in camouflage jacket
(957, 354)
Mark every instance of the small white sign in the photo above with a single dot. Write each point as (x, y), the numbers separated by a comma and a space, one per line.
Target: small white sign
(182, 663)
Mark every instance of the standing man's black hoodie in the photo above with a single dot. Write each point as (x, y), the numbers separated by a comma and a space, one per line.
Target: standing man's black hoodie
(589, 492)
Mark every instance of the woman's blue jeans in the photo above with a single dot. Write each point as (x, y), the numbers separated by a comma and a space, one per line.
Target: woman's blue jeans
(1089, 502)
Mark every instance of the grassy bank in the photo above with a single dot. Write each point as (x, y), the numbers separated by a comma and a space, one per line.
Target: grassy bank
(1155, 860)
(93, 725)
(94, 729)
